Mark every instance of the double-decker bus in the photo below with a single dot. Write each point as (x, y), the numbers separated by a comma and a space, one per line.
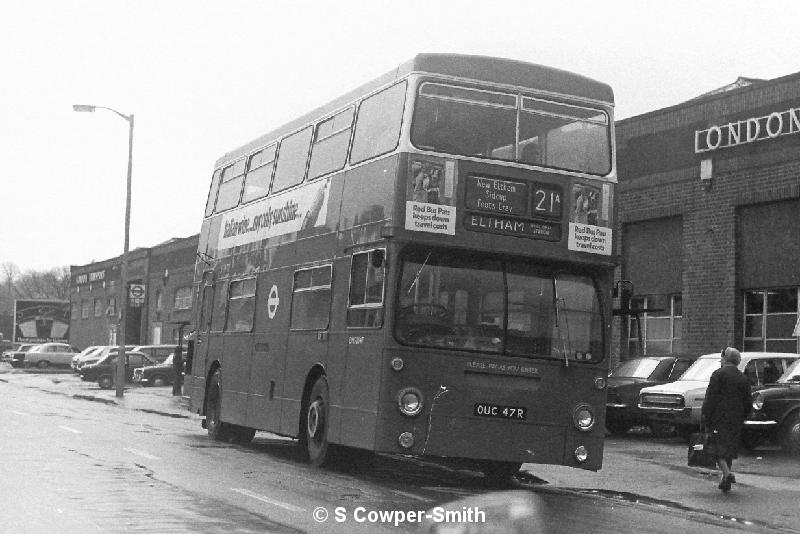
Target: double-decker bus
(422, 267)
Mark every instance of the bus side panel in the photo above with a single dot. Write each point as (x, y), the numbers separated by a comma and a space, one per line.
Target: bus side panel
(238, 349)
(361, 389)
(304, 350)
(269, 350)
(337, 347)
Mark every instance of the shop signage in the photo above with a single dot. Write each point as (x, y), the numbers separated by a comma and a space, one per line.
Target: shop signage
(95, 276)
(776, 124)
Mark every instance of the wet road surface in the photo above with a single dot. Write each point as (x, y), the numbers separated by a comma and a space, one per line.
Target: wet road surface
(74, 466)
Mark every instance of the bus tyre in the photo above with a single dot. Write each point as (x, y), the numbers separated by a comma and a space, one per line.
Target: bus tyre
(315, 424)
(790, 434)
(105, 381)
(243, 434)
(217, 430)
(498, 474)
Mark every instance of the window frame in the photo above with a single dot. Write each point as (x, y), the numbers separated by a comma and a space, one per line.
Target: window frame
(310, 128)
(354, 135)
(310, 289)
(316, 141)
(177, 298)
(764, 315)
(366, 305)
(249, 171)
(234, 282)
(645, 317)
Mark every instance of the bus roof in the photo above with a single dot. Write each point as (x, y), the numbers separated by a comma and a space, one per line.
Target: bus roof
(480, 68)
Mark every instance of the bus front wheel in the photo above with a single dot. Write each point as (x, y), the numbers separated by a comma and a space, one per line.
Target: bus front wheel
(217, 430)
(316, 423)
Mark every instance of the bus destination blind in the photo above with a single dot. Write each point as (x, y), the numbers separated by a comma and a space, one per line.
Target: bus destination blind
(507, 207)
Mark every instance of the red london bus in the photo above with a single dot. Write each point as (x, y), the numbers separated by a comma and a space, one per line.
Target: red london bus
(422, 266)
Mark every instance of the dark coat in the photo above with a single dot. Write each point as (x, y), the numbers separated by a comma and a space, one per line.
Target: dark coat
(727, 404)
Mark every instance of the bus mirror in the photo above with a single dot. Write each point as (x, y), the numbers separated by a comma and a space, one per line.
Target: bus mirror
(377, 258)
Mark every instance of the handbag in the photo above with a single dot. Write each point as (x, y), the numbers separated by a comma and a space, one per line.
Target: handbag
(701, 451)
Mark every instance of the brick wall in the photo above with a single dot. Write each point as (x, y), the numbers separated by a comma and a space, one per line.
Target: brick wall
(764, 171)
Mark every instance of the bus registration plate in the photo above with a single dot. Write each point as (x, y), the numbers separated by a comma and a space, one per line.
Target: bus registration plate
(484, 409)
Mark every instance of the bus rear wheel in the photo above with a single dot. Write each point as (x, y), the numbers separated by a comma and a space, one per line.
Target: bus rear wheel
(217, 430)
(315, 425)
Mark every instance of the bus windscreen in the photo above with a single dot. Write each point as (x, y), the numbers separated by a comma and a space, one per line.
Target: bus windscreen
(488, 305)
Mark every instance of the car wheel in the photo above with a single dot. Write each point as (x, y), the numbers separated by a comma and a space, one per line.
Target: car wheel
(159, 381)
(315, 417)
(217, 430)
(105, 381)
(498, 474)
(662, 430)
(42, 364)
(617, 427)
(790, 434)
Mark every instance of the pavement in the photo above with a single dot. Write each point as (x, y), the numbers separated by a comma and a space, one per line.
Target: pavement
(638, 468)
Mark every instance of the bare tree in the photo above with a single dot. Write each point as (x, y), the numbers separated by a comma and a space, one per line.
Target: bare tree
(33, 284)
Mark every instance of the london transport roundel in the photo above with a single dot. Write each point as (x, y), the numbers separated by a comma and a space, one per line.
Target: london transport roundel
(273, 301)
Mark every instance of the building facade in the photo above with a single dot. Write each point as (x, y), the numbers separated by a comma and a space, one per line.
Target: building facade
(159, 295)
(708, 209)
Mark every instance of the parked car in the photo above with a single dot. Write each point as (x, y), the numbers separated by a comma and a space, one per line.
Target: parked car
(162, 374)
(50, 354)
(6, 356)
(17, 357)
(628, 378)
(85, 352)
(158, 353)
(96, 356)
(104, 370)
(679, 403)
(776, 413)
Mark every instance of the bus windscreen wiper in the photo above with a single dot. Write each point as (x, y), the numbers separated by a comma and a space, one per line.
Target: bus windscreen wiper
(419, 272)
(565, 344)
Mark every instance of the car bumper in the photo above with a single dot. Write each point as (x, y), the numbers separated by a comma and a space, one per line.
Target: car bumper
(765, 424)
(676, 416)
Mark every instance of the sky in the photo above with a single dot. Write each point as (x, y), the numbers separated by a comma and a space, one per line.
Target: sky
(202, 78)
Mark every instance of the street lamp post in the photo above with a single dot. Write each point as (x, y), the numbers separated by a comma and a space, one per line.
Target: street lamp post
(119, 379)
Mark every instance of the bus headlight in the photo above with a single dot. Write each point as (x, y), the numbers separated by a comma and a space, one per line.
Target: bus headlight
(758, 401)
(581, 454)
(583, 417)
(409, 400)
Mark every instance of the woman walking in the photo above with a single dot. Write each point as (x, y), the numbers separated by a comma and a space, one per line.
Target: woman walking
(727, 404)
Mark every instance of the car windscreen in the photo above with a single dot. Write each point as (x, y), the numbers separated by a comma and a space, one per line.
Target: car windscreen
(792, 374)
(637, 368)
(468, 301)
(702, 369)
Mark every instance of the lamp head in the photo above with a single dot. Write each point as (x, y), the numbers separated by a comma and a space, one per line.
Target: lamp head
(83, 107)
